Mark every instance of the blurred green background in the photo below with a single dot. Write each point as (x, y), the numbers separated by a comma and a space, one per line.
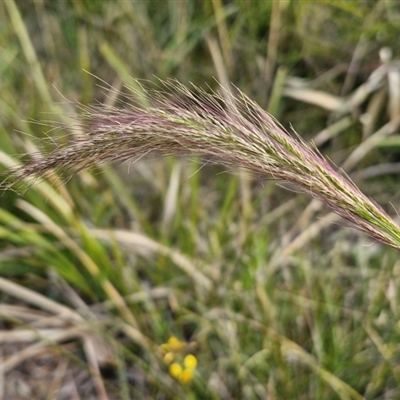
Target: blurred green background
(274, 296)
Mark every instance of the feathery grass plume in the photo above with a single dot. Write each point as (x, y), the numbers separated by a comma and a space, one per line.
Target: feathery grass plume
(230, 130)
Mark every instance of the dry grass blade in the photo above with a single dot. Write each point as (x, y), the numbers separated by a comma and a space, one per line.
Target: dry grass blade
(86, 260)
(302, 239)
(38, 347)
(145, 244)
(317, 97)
(195, 122)
(28, 335)
(91, 354)
(38, 300)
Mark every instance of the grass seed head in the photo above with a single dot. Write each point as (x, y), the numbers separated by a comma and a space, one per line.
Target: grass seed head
(229, 130)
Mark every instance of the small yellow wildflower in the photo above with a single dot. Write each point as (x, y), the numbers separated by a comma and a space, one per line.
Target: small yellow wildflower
(183, 372)
(169, 357)
(175, 370)
(186, 376)
(173, 344)
(190, 361)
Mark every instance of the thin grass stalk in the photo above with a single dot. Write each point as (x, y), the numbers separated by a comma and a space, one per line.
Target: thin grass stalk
(194, 122)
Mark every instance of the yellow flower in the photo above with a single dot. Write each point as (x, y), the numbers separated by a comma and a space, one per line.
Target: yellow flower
(175, 370)
(173, 344)
(190, 361)
(169, 357)
(186, 376)
(172, 349)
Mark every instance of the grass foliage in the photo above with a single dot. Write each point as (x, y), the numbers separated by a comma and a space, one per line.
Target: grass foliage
(170, 278)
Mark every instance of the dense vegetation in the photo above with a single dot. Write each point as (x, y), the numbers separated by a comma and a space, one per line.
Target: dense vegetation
(172, 278)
